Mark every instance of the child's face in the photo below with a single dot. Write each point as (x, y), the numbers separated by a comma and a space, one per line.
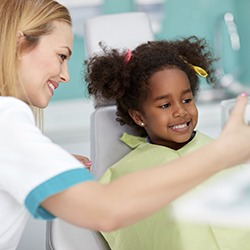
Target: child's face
(42, 69)
(170, 114)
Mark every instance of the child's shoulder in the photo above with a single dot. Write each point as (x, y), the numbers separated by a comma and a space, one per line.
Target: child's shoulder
(132, 141)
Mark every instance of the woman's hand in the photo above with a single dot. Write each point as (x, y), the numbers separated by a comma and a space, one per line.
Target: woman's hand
(84, 160)
(236, 133)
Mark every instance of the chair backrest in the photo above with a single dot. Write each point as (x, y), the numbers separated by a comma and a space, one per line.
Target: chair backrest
(61, 235)
(125, 30)
(106, 148)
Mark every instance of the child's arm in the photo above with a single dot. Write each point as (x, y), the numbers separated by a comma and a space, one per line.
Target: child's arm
(84, 160)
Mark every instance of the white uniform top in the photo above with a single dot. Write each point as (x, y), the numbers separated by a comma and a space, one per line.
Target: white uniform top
(32, 168)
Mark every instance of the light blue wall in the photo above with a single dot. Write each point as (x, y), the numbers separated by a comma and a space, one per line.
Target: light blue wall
(242, 7)
(199, 17)
(182, 18)
(114, 6)
(203, 18)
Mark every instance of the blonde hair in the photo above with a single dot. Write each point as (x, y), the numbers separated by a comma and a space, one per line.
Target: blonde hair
(33, 18)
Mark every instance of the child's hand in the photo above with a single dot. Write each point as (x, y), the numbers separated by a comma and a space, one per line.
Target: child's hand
(84, 160)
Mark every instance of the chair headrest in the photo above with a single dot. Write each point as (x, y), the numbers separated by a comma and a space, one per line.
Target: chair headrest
(122, 30)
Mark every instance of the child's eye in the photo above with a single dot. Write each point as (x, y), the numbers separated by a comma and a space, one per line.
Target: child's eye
(187, 100)
(63, 57)
(164, 106)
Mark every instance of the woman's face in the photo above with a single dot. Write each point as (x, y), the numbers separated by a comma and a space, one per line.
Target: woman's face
(43, 68)
(169, 114)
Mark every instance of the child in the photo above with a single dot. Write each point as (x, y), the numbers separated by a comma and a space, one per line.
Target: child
(155, 87)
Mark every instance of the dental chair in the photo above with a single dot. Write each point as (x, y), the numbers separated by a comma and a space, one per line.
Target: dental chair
(124, 30)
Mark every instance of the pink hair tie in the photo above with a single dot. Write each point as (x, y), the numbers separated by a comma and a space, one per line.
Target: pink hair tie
(128, 56)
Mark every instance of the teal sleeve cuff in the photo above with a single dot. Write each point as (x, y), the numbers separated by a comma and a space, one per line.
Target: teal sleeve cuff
(52, 186)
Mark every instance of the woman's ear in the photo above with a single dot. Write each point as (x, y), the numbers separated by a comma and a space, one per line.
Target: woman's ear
(20, 39)
(137, 117)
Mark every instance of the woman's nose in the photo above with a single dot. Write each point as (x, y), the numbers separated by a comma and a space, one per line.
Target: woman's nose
(64, 75)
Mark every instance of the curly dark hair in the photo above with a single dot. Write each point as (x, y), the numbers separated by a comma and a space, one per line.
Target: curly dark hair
(109, 77)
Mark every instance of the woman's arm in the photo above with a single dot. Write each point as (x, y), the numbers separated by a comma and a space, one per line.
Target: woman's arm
(137, 195)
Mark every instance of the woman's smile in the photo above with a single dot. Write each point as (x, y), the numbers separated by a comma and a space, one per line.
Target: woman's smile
(52, 86)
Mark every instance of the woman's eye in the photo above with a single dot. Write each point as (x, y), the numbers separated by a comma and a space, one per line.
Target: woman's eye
(63, 57)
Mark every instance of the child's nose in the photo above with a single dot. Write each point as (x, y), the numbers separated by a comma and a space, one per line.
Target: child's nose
(179, 110)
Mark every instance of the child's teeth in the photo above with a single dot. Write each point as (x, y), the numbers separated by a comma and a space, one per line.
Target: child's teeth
(180, 126)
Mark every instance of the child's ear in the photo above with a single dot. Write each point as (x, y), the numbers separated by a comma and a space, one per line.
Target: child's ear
(137, 117)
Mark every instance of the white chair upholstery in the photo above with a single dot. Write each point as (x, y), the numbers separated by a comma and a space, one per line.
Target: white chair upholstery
(64, 236)
(126, 30)
(106, 148)
(123, 30)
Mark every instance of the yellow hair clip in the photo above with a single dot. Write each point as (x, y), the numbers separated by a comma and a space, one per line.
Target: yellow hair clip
(199, 71)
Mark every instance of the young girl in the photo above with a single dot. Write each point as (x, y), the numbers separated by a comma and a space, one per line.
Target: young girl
(38, 177)
(155, 87)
